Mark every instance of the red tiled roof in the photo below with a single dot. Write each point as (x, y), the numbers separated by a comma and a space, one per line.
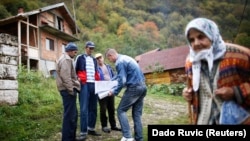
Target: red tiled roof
(166, 59)
(137, 58)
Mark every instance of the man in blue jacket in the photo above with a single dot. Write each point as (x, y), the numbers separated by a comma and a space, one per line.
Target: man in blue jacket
(129, 75)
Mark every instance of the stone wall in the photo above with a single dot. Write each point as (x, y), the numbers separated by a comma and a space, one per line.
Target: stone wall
(8, 69)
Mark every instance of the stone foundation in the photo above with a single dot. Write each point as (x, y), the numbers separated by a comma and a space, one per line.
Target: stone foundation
(8, 69)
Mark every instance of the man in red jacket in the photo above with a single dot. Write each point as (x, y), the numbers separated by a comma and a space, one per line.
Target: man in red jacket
(87, 72)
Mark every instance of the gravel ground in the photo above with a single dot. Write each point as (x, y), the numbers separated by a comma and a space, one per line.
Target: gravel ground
(162, 110)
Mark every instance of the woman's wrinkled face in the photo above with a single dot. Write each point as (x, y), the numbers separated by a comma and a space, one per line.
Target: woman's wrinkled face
(198, 40)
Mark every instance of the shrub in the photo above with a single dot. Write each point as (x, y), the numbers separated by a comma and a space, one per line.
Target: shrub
(169, 89)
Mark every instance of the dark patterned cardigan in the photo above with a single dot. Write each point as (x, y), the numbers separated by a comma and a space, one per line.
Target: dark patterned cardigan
(234, 71)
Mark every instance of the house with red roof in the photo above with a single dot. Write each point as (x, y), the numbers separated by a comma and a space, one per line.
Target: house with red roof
(41, 35)
(138, 57)
(164, 66)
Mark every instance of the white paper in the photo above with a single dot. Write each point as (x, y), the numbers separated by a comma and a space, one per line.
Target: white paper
(101, 95)
(102, 88)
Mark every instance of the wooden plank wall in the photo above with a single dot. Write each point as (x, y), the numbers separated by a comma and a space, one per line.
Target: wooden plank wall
(166, 77)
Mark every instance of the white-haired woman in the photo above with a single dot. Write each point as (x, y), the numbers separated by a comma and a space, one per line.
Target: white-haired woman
(218, 76)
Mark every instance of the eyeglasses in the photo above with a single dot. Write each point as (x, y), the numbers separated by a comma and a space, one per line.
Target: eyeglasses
(91, 48)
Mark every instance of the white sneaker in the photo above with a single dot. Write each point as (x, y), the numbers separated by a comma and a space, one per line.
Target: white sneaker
(127, 139)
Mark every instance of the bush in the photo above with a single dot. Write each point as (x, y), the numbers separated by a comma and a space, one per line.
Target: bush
(168, 89)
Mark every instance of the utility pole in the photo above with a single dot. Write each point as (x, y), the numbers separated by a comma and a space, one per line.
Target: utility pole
(73, 4)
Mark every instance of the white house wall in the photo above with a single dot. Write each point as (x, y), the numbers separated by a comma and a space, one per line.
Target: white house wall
(33, 53)
(47, 66)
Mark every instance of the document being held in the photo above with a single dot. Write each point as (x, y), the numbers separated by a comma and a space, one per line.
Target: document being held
(102, 88)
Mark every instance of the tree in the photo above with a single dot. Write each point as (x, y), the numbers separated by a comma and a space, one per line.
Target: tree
(3, 12)
(243, 39)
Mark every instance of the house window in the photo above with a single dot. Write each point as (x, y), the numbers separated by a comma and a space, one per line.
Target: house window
(59, 24)
(49, 44)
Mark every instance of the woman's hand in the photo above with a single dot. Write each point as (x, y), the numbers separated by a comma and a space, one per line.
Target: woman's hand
(187, 94)
(225, 93)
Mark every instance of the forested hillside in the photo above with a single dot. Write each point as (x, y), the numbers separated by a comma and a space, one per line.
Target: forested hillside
(136, 26)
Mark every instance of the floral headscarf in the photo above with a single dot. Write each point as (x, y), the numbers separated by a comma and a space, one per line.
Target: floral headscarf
(216, 51)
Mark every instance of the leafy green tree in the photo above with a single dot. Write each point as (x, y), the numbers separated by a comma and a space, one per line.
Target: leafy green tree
(115, 20)
(12, 5)
(121, 23)
(123, 28)
(3, 12)
(227, 27)
(158, 19)
(243, 39)
(244, 27)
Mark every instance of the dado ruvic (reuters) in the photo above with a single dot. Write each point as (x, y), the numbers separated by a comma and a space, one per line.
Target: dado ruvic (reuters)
(180, 132)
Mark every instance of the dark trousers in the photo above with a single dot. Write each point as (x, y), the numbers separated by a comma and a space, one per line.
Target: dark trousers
(107, 104)
(69, 116)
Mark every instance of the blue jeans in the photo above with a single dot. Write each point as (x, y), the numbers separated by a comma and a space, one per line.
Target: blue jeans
(132, 97)
(88, 107)
(69, 124)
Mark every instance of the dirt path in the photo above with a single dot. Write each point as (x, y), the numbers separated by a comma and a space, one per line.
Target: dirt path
(160, 110)
(163, 110)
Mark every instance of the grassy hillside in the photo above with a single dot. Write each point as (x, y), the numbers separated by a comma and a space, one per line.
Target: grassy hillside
(134, 27)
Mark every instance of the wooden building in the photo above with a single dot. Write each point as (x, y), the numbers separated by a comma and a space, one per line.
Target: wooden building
(42, 35)
(164, 66)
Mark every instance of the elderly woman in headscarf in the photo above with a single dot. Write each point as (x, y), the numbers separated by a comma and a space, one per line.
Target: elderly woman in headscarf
(218, 76)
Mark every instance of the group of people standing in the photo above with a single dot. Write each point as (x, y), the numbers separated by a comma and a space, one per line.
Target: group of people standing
(79, 75)
(218, 88)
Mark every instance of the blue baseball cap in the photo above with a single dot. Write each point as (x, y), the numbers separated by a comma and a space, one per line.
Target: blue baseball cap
(71, 47)
(90, 44)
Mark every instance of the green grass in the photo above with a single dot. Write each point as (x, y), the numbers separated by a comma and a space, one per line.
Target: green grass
(38, 113)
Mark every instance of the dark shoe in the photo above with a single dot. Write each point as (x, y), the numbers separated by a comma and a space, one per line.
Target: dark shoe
(116, 129)
(94, 133)
(81, 138)
(106, 130)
